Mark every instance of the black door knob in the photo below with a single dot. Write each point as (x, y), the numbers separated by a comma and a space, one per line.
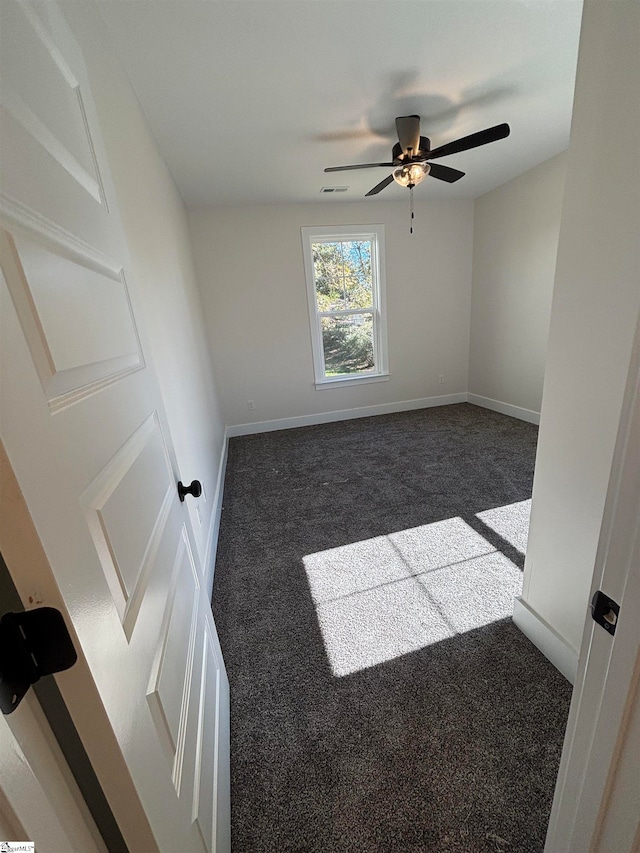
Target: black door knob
(194, 489)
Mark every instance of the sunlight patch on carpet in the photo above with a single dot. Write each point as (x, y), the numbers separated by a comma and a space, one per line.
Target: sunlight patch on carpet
(385, 597)
(511, 522)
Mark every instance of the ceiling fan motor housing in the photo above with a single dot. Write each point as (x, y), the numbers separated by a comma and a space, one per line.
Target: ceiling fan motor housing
(425, 145)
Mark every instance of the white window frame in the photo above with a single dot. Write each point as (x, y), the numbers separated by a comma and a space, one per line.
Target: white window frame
(329, 234)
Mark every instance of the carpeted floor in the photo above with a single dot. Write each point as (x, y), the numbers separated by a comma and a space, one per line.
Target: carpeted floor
(381, 699)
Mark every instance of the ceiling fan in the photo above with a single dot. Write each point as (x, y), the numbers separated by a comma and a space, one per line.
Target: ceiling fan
(411, 155)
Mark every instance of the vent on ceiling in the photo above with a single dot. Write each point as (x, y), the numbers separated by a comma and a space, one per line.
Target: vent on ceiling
(334, 189)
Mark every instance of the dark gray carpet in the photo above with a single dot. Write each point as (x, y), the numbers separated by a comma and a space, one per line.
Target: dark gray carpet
(343, 739)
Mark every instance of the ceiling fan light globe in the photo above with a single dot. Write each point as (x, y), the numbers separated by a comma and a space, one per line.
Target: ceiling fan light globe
(411, 174)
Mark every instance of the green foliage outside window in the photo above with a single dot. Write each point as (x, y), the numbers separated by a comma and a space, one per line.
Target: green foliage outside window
(348, 344)
(343, 275)
(343, 282)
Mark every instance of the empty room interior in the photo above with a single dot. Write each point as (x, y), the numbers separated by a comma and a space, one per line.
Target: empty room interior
(319, 420)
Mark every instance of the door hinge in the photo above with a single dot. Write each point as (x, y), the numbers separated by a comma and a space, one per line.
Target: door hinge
(32, 644)
(605, 611)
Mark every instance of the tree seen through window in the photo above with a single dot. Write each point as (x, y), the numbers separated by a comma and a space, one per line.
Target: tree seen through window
(344, 296)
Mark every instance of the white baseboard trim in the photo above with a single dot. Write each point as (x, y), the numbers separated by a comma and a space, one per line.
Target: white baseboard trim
(345, 414)
(505, 408)
(216, 514)
(542, 635)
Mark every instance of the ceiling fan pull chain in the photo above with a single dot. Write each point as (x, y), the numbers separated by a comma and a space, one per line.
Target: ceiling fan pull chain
(411, 209)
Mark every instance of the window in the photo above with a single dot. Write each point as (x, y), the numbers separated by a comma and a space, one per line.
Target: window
(344, 267)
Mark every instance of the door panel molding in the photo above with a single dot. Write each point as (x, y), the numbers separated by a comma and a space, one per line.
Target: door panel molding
(138, 472)
(31, 124)
(176, 652)
(75, 153)
(205, 794)
(105, 347)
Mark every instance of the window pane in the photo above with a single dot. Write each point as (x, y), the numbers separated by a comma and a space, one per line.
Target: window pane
(348, 344)
(342, 272)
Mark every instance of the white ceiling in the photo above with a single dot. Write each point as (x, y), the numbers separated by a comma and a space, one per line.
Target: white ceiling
(249, 101)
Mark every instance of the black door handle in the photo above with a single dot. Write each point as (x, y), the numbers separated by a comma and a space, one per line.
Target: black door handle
(194, 489)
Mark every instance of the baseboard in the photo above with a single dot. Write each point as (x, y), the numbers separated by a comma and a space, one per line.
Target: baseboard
(216, 514)
(505, 408)
(542, 635)
(345, 414)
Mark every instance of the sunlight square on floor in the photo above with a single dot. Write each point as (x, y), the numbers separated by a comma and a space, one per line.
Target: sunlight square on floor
(391, 595)
(510, 521)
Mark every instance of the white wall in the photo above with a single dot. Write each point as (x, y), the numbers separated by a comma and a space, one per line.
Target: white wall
(594, 313)
(156, 228)
(516, 230)
(250, 269)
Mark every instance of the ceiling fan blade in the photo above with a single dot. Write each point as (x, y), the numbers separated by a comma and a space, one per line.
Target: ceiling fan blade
(359, 166)
(445, 173)
(380, 186)
(408, 128)
(482, 137)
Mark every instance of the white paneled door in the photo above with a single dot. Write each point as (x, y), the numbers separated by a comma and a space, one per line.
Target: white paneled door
(85, 433)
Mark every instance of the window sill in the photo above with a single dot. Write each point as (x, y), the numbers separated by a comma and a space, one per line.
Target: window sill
(323, 384)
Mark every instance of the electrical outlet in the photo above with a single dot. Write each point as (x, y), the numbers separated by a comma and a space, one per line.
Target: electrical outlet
(441, 379)
(251, 405)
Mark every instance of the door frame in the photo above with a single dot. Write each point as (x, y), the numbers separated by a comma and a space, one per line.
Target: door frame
(606, 688)
(39, 798)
